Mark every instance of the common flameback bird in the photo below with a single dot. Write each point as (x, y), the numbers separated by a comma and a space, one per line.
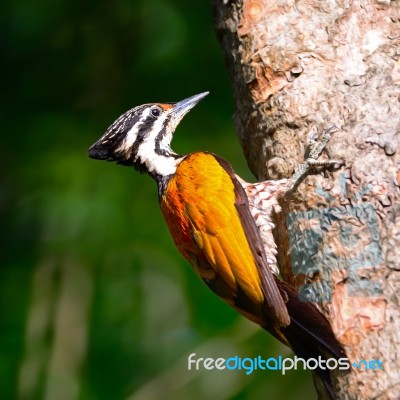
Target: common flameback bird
(215, 219)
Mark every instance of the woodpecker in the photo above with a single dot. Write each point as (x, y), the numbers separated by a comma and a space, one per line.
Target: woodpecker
(223, 225)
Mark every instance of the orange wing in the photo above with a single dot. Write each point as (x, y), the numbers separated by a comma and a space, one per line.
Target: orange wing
(207, 213)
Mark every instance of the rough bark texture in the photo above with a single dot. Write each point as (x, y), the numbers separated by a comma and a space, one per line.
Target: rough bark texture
(298, 67)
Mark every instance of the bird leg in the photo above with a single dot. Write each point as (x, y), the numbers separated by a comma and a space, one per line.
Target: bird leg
(311, 160)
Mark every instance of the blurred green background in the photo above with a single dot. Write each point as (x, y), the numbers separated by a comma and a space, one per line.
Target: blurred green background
(95, 301)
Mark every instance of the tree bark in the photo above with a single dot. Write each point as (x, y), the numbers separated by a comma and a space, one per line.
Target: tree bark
(298, 67)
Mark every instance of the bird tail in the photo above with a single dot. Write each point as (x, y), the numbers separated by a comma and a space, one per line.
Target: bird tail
(309, 333)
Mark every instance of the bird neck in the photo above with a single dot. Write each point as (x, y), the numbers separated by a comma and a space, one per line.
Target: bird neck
(161, 167)
(156, 160)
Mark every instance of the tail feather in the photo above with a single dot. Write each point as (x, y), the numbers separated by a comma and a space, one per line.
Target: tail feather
(308, 320)
(309, 333)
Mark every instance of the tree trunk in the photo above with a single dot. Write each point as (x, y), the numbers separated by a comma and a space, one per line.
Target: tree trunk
(298, 67)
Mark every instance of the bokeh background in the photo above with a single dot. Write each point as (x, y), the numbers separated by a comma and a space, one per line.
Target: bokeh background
(95, 301)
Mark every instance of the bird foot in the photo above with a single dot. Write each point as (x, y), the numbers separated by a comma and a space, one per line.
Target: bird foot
(313, 152)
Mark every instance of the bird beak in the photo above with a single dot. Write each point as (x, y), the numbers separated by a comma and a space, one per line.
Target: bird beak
(180, 109)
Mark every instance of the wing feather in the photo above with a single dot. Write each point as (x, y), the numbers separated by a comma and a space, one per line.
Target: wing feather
(276, 307)
(206, 198)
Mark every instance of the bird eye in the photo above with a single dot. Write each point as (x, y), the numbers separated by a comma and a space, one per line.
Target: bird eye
(155, 111)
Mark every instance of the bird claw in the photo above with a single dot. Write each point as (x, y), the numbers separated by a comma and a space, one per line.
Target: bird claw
(317, 145)
(315, 149)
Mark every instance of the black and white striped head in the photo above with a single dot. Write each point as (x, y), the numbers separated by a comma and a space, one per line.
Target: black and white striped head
(142, 137)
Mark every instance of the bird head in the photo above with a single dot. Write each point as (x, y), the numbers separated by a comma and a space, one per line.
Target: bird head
(142, 137)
